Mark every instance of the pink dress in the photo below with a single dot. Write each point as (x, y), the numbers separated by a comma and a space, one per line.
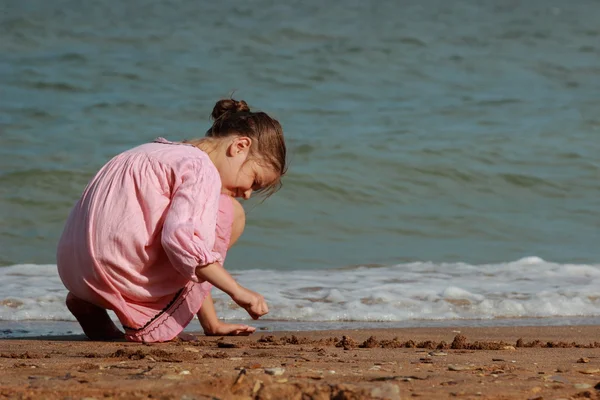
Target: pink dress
(144, 223)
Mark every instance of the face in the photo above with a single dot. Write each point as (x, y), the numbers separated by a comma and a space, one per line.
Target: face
(240, 173)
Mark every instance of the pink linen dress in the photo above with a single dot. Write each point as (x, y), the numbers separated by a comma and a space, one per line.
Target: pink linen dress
(133, 241)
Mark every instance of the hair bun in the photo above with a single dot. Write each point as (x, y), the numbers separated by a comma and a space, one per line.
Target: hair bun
(228, 106)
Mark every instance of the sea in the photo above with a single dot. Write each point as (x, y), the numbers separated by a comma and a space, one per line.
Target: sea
(444, 163)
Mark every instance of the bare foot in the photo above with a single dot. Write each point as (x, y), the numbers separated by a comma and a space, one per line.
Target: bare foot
(94, 320)
(224, 329)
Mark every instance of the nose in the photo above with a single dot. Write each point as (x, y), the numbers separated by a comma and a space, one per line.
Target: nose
(246, 195)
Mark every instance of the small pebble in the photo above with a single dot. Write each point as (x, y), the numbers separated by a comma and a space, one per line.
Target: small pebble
(256, 387)
(172, 377)
(387, 391)
(590, 371)
(582, 386)
(459, 367)
(274, 371)
(556, 378)
(583, 360)
(191, 349)
(438, 354)
(185, 372)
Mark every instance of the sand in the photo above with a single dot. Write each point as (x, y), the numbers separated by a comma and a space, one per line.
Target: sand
(468, 363)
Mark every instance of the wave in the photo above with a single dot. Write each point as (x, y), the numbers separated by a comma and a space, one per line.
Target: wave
(526, 288)
(55, 86)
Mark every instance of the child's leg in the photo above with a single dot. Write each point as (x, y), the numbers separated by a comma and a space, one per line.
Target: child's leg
(94, 320)
(239, 222)
(207, 314)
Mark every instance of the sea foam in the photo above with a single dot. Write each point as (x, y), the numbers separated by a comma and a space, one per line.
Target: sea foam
(527, 288)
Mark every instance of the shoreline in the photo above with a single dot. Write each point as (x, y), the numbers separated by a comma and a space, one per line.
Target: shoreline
(42, 328)
(525, 362)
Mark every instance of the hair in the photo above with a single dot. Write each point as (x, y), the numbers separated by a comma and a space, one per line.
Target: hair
(234, 118)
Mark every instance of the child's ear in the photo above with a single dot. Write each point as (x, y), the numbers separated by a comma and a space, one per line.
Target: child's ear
(240, 145)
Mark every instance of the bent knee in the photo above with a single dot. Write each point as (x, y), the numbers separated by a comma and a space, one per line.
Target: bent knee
(239, 221)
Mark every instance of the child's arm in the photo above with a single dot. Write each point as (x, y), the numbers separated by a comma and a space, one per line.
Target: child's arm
(188, 234)
(251, 301)
(208, 315)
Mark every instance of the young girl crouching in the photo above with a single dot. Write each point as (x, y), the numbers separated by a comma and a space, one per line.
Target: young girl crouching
(150, 233)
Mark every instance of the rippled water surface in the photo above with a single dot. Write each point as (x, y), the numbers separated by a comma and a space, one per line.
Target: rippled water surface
(461, 131)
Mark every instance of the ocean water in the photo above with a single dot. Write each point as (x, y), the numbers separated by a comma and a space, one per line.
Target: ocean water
(445, 156)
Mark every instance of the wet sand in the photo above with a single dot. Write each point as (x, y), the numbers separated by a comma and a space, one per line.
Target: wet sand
(433, 363)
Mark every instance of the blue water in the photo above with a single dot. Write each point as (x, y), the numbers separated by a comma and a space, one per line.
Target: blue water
(444, 132)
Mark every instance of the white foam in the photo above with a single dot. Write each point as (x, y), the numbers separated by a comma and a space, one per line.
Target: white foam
(527, 288)
(32, 292)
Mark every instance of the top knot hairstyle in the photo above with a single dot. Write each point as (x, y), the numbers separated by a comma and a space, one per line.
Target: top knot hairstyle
(234, 118)
(228, 106)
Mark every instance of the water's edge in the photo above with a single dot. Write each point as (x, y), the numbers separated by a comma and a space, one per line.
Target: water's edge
(68, 330)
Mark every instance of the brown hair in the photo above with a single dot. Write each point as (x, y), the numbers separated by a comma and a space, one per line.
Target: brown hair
(234, 118)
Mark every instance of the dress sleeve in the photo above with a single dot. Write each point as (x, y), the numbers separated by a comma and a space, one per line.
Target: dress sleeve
(189, 228)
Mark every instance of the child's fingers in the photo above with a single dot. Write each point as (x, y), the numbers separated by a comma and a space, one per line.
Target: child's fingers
(246, 328)
(246, 332)
(258, 313)
(242, 330)
(262, 308)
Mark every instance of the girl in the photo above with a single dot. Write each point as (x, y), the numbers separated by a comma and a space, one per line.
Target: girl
(150, 233)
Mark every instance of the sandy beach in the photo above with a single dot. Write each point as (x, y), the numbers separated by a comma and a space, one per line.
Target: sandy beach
(479, 363)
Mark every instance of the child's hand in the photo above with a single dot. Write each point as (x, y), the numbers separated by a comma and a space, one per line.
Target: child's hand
(251, 301)
(225, 329)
